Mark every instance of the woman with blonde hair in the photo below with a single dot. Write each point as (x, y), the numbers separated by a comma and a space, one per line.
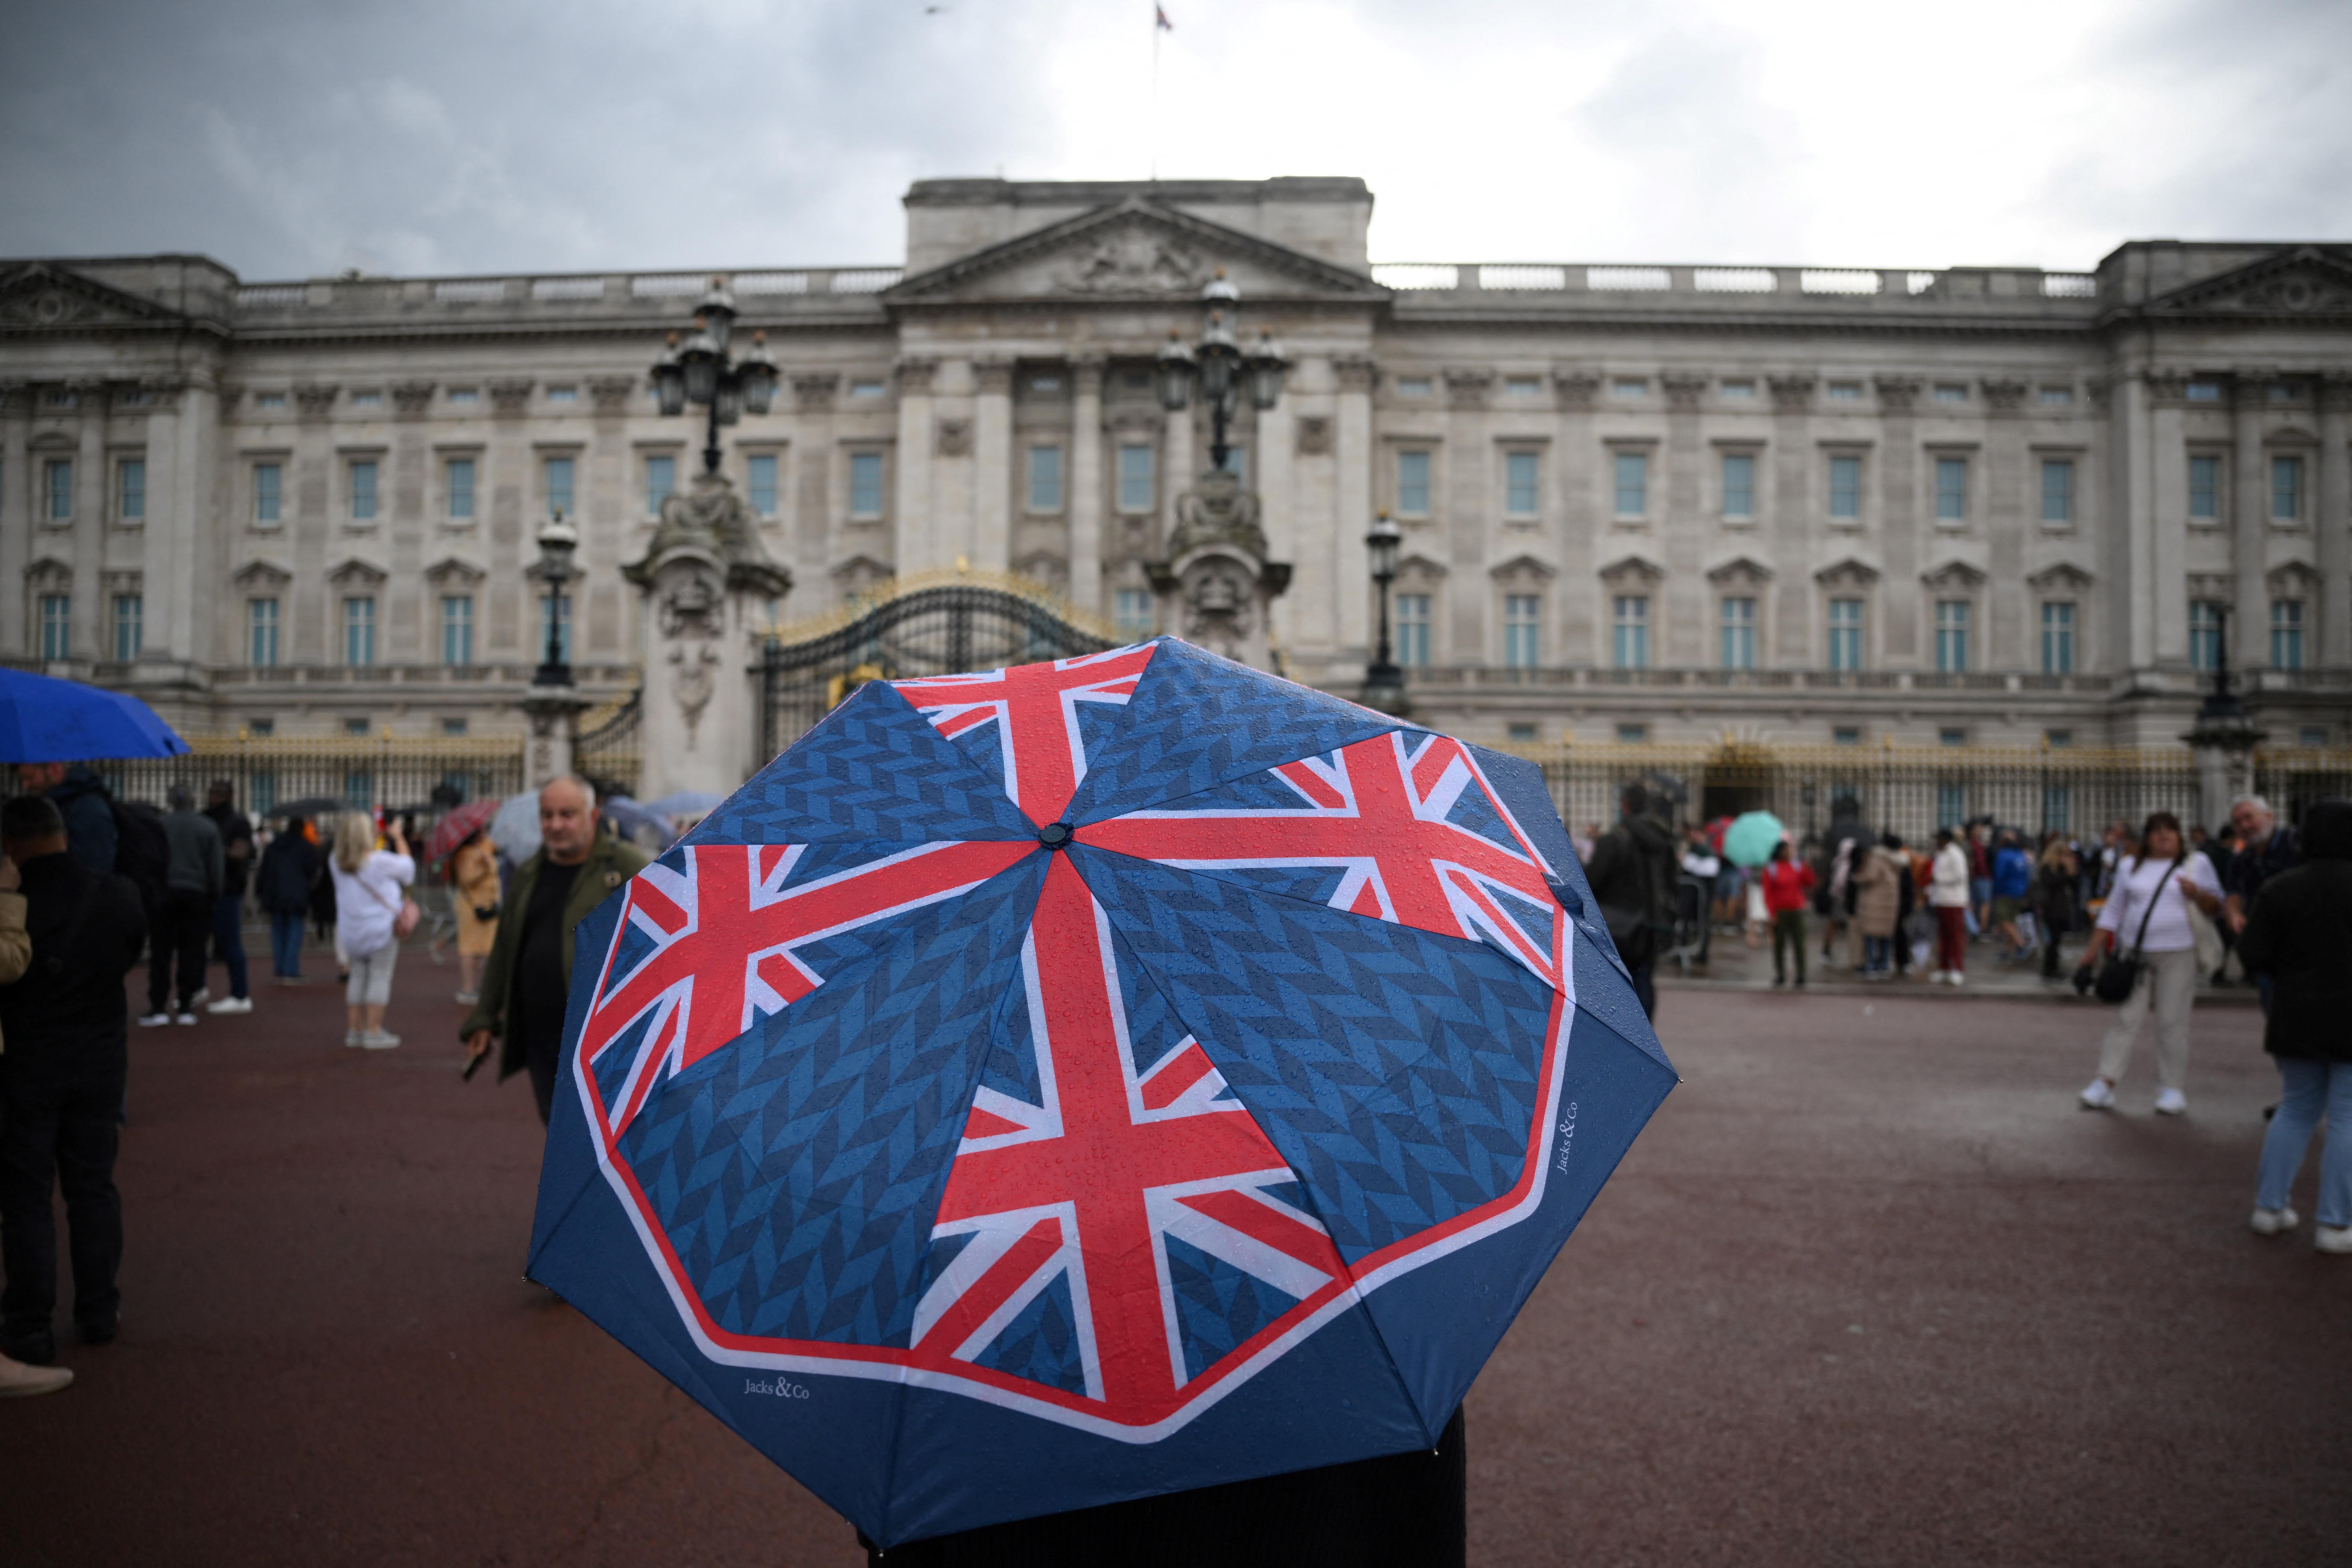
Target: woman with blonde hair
(370, 890)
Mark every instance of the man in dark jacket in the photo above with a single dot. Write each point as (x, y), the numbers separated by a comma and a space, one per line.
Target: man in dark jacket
(81, 800)
(289, 870)
(184, 919)
(1632, 877)
(228, 909)
(2298, 936)
(2265, 848)
(528, 980)
(61, 1078)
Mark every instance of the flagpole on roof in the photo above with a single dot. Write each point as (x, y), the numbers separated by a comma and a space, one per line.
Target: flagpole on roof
(1159, 24)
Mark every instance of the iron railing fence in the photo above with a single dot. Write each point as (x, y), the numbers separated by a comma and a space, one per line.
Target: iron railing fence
(1913, 790)
(272, 773)
(606, 750)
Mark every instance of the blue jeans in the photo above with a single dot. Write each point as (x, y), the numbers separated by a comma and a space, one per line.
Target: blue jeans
(1877, 955)
(285, 943)
(228, 939)
(2315, 1091)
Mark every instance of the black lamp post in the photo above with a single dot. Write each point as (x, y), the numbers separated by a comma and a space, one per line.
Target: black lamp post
(1226, 370)
(557, 540)
(1384, 680)
(697, 371)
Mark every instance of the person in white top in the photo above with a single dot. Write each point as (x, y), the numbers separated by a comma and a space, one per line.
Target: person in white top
(2147, 911)
(370, 886)
(1947, 895)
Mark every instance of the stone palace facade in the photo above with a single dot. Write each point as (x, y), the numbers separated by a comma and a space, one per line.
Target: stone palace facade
(1975, 505)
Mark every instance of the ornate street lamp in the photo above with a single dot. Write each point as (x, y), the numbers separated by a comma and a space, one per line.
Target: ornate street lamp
(1225, 372)
(697, 370)
(557, 540)
(1384, 680)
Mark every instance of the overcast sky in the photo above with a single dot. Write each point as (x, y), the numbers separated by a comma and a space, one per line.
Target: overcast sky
(294, 137)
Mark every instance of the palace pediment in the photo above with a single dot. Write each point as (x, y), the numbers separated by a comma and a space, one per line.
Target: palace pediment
(1133, 251)
(2305, 282)
(41, 296)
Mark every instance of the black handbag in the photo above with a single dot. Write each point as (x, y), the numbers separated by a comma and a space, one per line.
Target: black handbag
(2120, 973)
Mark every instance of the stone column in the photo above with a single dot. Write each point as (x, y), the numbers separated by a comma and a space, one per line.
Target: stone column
(1893, 615)
(2248, 518)
(992, 542)
(1900, 525)
(2332, 521)
(2131, 570)
(1177, 465)
(916, 547)
(1471, 512)
(553, 714)
(1690, 615)
(818, 520)
(1085, 499)
(706, 580)
(17, 484)
(93, 628)
(2001, 510)
(1354, 457)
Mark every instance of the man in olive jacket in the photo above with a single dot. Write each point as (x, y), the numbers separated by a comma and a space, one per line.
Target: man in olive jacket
(528, 976)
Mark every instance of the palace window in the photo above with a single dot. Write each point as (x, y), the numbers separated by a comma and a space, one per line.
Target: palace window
(1413, 386)
(1134, 614)
(1412, 630)
(1846, 634)
(1626, 386)
(2204, 633)
(1738, 485)
(2204, 391)
(1522, 630)
(1739, 389)
(1632, 484)
(1951, 392)
(2058, 638)
(2286, 489)
(131, 489)
(2057, 396)
(1522, 386)
(1519, 484)
(661, 480)
(1630, 627)
(760, 481)
(57, 626)
(1137, 488)
(1951, 636)
(2057, 490)
(1633, 735)
(57, 477)
(1412, 484)
(1846, 392)
(556, 478)
(1951, 489)
(261, 632)
(457, 629)
(1045, 478)
(1739, 632)
(2205, 489)
(265, 477)
(459, 474)
(563, 395)
(1519, 730)
(129, 626)
(2286, 634)
(363, 491)
(1845, 488)
(358, 630)
(865, 484)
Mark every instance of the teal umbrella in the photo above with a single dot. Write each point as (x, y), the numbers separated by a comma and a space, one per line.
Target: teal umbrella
(1749, 840)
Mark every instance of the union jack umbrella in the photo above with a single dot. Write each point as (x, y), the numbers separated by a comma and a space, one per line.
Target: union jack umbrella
(1086, 1080)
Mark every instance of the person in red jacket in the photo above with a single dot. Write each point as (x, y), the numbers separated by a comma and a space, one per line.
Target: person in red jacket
(1787, 884)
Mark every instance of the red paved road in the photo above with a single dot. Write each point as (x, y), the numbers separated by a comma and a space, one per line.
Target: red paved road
(1869, 1290)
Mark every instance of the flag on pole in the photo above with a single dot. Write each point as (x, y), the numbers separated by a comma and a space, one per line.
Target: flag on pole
(1159, 19)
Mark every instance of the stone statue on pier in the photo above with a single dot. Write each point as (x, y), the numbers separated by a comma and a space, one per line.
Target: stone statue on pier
(1216, 587)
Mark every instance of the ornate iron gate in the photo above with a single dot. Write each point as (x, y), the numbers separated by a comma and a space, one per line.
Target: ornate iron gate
(938, 624)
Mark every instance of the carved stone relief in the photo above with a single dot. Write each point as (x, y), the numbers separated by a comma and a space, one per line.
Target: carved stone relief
(410, 399)
(1133, 260)
(1314, 436)
(953, 437)
(610, 394)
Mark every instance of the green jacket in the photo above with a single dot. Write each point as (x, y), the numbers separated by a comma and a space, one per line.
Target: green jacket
(610, 862)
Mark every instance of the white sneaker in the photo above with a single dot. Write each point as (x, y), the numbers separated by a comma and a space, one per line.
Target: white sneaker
(153, 1020)
(2273, 1221)
(1934, 977)
(2171, 1103)
(232, 1005)
(379, 1040)
(18, 1381)
(1954, 978)
(187, 1018)
(353, 1037)
(204, 994)
(2098, 1095)
(2332, 1238)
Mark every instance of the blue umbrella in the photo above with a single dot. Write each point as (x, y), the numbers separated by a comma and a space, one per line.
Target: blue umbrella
(685, 803)
(47, 721)
(1089, 1080)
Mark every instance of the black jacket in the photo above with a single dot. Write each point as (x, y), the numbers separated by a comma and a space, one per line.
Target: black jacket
(1632, 874)
(67, 1017)
(2300, 934)
(290, 870)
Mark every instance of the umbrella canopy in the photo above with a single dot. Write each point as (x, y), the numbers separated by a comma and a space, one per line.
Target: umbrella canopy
(514, 826)
(1089, 1080)
(629, 817)
(47, 721)
(457, 826)
(685, 803)
(1749, 840)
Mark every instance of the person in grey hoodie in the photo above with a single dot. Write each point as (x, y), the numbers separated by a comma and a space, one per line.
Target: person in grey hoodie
(183, 920)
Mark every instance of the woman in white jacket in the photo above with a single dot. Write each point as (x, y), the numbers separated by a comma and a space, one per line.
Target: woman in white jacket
(371, 885)
(1947, 895)
(2147, 912)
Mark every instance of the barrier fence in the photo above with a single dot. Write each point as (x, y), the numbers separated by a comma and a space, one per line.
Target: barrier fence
(1913, 790)
(271, 774)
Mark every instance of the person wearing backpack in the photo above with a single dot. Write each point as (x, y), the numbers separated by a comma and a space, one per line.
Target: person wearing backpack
(1633, 877)
(2150, 909)
(84, 804)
